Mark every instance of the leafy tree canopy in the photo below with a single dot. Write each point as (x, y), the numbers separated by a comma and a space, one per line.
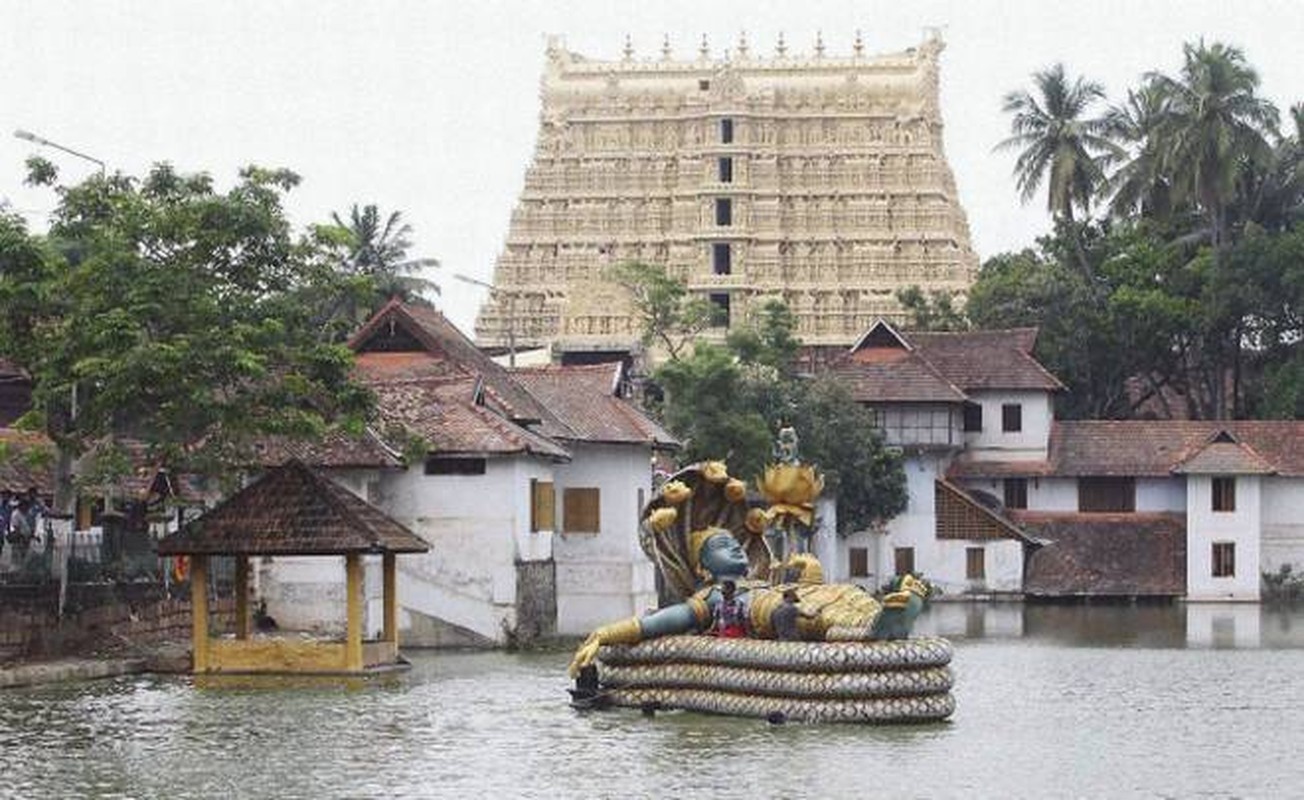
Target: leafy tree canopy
(730, 401)
(165, 310)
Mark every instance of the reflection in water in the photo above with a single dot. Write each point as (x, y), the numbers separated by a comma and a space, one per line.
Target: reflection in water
(1053, 701)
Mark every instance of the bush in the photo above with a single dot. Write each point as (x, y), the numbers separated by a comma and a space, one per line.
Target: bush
(1283, 586)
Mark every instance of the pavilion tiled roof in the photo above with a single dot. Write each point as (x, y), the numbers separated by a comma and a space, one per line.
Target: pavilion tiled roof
(26, 460)
(1100, 555)
(586, 400)
(990, 359)
(292, 510)
(449, 415)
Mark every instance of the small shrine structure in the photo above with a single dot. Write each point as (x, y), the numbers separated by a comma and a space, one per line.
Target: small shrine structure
(293, 511)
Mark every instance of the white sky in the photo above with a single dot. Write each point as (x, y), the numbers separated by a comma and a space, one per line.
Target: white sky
(430, 108)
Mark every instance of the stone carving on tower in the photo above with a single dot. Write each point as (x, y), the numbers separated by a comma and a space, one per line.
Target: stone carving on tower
(817, 180)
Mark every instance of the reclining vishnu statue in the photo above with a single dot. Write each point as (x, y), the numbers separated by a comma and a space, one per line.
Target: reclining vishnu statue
(712, 545)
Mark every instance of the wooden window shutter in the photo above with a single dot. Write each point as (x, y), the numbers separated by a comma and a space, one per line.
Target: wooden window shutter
(543, 506)
(580, 511)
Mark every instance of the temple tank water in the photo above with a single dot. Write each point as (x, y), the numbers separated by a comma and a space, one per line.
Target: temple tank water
(1052, 701)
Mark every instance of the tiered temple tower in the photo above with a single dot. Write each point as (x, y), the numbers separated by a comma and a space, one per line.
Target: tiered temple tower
(814, 179)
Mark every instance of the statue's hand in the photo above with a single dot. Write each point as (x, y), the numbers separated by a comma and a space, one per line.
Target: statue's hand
(586, 653)
(623, 632)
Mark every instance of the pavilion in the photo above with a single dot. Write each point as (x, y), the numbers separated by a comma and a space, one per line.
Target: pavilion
(293, 511)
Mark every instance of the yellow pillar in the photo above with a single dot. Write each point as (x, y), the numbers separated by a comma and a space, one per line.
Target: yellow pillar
(391, 598)
(241, 597)
(199, 611)
(353, 591)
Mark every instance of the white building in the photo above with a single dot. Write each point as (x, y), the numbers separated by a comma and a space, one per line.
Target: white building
(1004, 499)
(526, 485)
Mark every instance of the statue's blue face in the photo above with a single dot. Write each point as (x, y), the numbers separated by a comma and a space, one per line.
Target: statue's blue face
(723, 555)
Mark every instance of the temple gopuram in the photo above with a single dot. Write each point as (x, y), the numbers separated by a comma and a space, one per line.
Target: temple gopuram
(815, 179)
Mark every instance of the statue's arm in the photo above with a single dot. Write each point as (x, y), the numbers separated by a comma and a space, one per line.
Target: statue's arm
(679, 618)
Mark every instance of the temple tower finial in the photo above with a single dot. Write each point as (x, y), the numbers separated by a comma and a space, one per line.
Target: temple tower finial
(819, 44)
(629, 48)
(859, 46)
(742, 45)
(665, 47)
(781, 49)
(705, 49)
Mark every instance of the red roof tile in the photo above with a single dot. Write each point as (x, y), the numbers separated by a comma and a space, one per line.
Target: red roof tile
(26, 460)
(999, 359)
(1160, 447)
(335, 449)
(585, 400)
(445, 413)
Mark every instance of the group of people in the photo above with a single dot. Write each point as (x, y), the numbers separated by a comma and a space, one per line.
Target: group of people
(20, 514)
(730, 615)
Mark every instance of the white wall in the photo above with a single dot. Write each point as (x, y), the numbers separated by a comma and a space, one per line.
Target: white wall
(605, 576)
(477, 526)
(1205, 527)
(1027, 444)
(942, 561)
(1283, 523)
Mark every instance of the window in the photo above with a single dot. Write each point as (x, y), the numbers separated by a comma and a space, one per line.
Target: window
(726, 131)
(721, 258)
(859, 562)
(1016, 492)
(723, 211)
(1011, 417)
(580, 511)
(703, 85)
(973, 418)
(1224, 559)
(720, 301)
(543, 506)
(1224, 494)
(444, 465)
(724, 169)
(1106, 494)
(904, 558)
(975, 563)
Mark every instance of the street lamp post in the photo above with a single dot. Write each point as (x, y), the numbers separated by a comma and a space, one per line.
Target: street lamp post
(28, 136)
(511, 313)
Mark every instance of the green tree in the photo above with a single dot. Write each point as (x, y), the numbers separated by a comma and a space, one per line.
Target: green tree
(671, 316)
(729, 402)
(1213, 127)
(376, 252)
(166, 311)
(935, 311)
(1143, 182)
(1058, 144)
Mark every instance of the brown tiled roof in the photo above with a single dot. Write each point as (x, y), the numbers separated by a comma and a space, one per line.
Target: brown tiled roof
(999, 359)
(1159, 447)
(292, 510)
(893, 375)
(1098, 555)
(585, 400)
(1224, 458)
(449, 352)
(146, 478)
(335, 449)
(445, 413)
(26, 460)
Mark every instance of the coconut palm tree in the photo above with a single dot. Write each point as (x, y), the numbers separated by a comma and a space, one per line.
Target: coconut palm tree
(1142, 183)
(380, 252)
(1057, 144)
(1213, 126)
